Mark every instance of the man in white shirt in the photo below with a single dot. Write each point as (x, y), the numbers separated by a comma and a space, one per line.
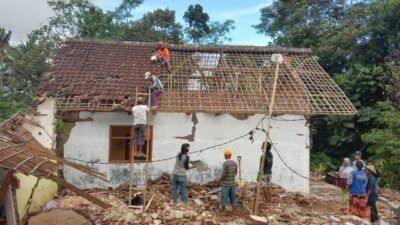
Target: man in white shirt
(357, 157)
(139, 112)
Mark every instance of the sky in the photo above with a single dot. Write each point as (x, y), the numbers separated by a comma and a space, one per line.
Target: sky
(23, 16)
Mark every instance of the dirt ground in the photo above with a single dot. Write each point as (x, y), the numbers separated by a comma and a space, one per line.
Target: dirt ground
(322, 206)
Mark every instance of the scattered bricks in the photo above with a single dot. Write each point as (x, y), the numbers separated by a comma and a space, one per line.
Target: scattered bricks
(208, 222)
(157, 222)
(154, 215)
(292, 208)
(198, 202)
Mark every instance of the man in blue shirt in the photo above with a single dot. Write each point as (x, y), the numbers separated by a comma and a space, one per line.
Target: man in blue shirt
(372, 192)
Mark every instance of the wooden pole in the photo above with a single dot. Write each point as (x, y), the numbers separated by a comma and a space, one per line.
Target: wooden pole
(5, 185)
(146, 167)
(132, 158)
(267, 130)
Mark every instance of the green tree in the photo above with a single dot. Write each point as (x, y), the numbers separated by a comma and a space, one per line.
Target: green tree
(357, 42)
(123, 13)
(197, 21)
(95, 24)
(154, 26)
(384, 141)
(4, 43)
(66, 16)
(201, 30)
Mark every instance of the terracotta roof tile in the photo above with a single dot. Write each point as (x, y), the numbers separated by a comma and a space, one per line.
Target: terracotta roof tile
(103, 75)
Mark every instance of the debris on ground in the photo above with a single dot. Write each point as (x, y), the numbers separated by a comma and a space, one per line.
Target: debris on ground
(59, 217)
(322, 206)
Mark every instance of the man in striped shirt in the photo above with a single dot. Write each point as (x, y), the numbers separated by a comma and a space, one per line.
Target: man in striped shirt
(229, 171)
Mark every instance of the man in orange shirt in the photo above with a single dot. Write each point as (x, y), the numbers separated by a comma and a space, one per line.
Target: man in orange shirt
(163, 54)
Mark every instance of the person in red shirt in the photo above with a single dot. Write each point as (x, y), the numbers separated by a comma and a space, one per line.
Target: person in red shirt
(163, 54)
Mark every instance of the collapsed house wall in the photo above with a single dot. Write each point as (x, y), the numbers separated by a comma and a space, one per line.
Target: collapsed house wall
(44, 116)
(40, 190)
(89, 141)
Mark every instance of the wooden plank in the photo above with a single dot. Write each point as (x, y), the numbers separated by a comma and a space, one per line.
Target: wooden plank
(14, 154)
(24, 161)
(6, 183)
(148, 204)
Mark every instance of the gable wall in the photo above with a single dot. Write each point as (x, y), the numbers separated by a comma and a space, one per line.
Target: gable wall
(88, 141)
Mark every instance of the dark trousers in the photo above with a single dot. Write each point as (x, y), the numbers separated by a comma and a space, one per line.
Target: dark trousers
(374, 210)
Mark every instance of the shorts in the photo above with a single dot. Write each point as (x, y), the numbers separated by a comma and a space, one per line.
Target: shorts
(164, 60)
(266, 180)
(138, 132)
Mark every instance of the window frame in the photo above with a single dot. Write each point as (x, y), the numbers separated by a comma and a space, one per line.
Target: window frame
(131, 141)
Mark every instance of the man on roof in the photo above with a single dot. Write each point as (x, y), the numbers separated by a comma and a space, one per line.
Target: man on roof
(156, 88)
(163, 55)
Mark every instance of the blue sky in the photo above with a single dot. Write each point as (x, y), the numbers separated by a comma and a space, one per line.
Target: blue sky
(244, 13)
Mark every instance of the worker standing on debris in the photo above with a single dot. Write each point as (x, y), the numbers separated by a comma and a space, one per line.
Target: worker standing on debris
(357, 158)
(344, 174)
(229, 171)
(357, 183)
(139, 112)
(267, 171)
(179, 174)
(163, 55)
(372, 192)
(377, 174)
(156, 88)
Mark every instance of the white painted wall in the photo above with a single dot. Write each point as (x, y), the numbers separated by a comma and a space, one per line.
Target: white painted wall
(45, 118)
(88, 141)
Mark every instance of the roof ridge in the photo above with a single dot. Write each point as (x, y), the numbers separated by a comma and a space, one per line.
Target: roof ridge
(199, 47)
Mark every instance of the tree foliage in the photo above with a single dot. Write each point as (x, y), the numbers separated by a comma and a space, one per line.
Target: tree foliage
(157, 25)
(358, 44)
(201, 30)
(21, 66)
(384, 141)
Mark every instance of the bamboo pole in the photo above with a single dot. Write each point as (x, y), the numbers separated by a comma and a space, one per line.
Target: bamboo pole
(146, 167)
(267, 130)
(131, 167)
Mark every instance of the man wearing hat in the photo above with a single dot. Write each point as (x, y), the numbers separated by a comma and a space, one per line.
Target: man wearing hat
(156, 88)
(357, 157)
(229, 171)
(372, 192)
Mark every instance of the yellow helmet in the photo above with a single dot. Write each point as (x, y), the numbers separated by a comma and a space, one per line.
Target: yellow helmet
(228, 152)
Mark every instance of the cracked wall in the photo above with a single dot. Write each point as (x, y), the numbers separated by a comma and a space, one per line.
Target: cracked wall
(88, 141)
(190, 137)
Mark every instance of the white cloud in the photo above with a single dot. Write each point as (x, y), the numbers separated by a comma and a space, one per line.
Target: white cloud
(23, 16)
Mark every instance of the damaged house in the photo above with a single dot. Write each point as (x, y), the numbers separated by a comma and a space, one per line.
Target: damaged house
(29, 169)
(213, 95)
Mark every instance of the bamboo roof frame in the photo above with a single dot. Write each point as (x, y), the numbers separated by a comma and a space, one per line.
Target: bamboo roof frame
(19, 151)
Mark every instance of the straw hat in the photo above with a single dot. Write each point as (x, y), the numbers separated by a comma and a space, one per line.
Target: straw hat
(371, 168)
